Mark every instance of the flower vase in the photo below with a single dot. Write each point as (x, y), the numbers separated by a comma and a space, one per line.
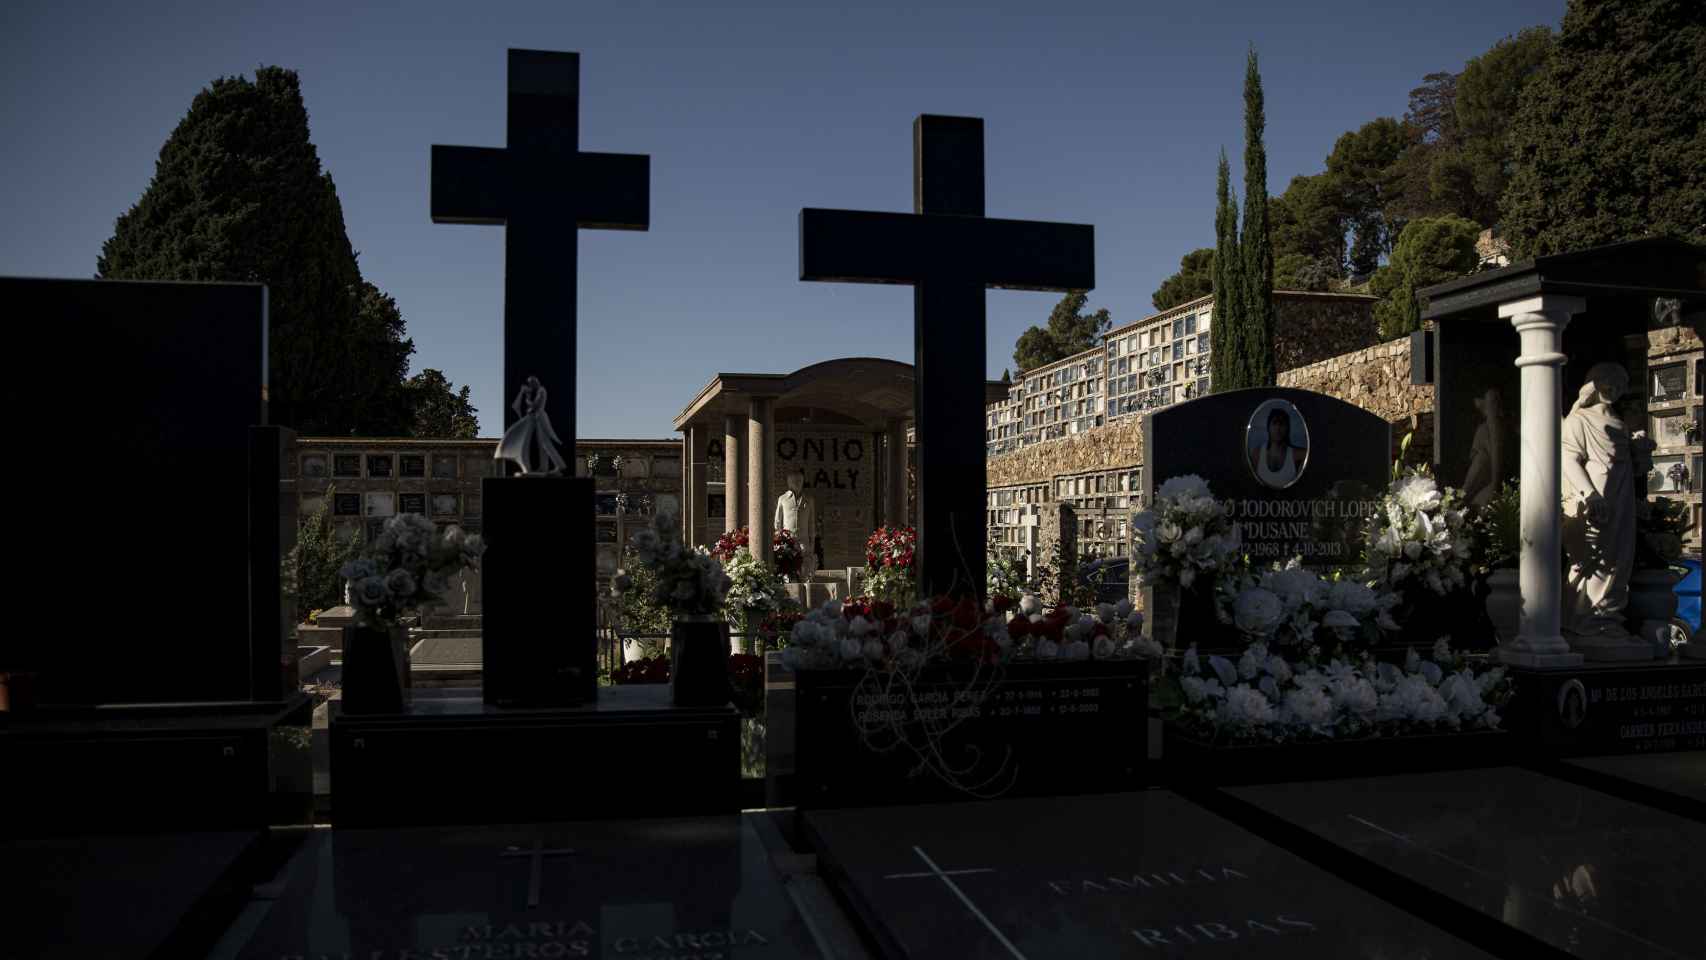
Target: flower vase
(699, 661)
(376, 670)
(1504, 603)
(1181, 618)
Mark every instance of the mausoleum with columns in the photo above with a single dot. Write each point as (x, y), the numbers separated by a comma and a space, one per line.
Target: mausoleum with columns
(842, 423)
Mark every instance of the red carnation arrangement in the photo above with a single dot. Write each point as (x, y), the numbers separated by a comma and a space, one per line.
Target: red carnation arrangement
(785, 549)
(731, 542)
(895, 547)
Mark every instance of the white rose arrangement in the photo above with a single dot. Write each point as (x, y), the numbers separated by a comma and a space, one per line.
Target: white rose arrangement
(1296, 609)
(1184, 535)
(1420, 539)
(1265, 698)
(407, 568)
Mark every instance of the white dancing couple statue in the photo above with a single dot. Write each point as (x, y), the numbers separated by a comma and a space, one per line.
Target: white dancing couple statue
(532, 429)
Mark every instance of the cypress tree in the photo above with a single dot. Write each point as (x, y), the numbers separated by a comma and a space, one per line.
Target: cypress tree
(238, 195)
(1227, 327)
(1256, 340)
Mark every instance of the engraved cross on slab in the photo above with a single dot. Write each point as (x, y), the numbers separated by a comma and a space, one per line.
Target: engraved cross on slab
(543, 190)
(947, 877)
(537, 853)
(949, 252)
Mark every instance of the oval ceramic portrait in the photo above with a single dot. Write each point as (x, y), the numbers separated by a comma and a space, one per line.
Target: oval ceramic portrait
(1276, 444)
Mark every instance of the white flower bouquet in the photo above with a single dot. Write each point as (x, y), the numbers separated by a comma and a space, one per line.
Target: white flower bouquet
(754, 590)
(690, 582)
(1265, 698)
(1420, 539)
(407, 568)
(1297, 610)
(1185, 534)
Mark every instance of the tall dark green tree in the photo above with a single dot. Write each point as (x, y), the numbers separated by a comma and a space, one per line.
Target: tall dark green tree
(1069, 330)
(238, 194)
(1194, 279)
(1364, 162)
(1469, 180)
(1430, 250)
(438, 410)
(1226, 332)
(1255, 243)
(1609, 142)
(1309, 220)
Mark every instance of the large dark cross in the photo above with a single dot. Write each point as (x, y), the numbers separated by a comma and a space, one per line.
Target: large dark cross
(949, 252)
(543, 189)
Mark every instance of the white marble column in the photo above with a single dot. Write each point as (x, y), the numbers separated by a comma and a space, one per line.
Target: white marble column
(734, 471)
(760, 458)
(1540, 323)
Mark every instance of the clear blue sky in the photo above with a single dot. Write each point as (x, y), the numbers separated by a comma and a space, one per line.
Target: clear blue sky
(1110, 113)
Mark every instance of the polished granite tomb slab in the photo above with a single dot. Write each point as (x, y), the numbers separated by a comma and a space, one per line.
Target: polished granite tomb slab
(677, 888)
(1670, 781)
(119, 895)
(1583, 871)
(1145, 874)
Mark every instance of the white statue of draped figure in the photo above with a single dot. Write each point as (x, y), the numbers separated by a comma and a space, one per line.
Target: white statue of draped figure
(1600, 494)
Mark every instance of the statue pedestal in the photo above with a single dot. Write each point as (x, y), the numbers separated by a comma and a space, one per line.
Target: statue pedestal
(1517, 655)
(1612, 650)
(540, 642)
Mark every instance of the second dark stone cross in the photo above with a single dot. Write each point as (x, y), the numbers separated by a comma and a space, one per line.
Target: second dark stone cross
(949, 252)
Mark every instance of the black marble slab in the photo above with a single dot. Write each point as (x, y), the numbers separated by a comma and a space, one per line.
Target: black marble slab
(1144, 874)
(1020, 730)
(117, 896)
(681, 888)
(1669, 781)
(1585, 872)
(1601, 709)
(145, 767)
(452, 757)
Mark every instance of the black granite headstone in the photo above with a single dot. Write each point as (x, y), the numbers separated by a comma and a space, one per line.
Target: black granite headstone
(949, 253)
(1611, 708)
(1582, 871)
(153, 386)
(1034, 731)
(1116, 875)
(649, 888)
(1314, 503)
(540, 583)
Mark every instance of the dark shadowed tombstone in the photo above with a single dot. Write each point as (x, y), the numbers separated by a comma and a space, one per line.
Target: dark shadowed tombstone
(141, 746)
(949, 252)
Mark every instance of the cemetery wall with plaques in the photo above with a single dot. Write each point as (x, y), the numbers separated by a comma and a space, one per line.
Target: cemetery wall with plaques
(1376, 378)
(367, 480)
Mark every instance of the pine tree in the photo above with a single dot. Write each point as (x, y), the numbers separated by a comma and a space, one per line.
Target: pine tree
(1256, 341)
(1227, 327)
(238, 194)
